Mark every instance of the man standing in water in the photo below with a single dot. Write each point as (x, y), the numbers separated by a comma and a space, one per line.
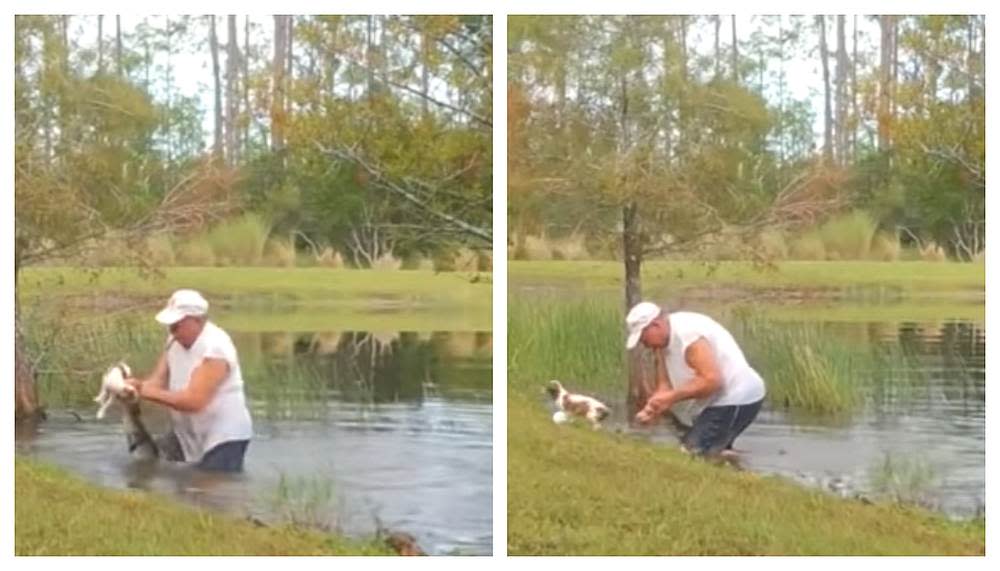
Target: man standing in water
(198, 378)
(697, 359)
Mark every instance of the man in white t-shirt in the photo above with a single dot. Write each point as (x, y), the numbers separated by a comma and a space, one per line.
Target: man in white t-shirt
(198, 378)
(698, 364)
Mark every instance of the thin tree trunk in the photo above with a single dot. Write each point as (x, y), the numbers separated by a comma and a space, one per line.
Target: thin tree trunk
(118, 46)
(638, 387)
(213, 42)
(781, 97)
(289, 69)
(425, 76)
(247, 120)
(718, 51)
(855, 115)
(278, 84)
(26, 403)
(232, 92)
(827, 111)
(885, 77)
(370, 55)
(736, 53)
(841, 85)
(667, 99)
(100, 44)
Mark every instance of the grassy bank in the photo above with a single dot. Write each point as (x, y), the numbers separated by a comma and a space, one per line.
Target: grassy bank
(910, 277)
(575, 491)
(271, 286)
(58, 514)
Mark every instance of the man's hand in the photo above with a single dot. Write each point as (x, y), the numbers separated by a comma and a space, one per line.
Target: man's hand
(136, 385)
(658, 402)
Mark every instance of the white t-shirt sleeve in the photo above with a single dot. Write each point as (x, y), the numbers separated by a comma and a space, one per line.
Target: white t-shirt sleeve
(220, 347)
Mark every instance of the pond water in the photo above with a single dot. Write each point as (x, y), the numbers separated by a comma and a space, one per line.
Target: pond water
(354, 431)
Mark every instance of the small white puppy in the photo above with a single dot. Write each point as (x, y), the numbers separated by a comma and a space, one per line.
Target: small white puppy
(571, 405)
(113, 386)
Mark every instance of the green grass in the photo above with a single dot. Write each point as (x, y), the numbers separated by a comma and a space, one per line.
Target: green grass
(911, 278)
(59, 514)
(267, 286)
(576, 491)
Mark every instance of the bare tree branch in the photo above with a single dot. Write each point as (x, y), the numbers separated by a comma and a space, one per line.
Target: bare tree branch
(408, 192)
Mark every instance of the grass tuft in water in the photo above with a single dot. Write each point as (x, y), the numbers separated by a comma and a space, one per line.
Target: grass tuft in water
(304, 501)
(904, 480)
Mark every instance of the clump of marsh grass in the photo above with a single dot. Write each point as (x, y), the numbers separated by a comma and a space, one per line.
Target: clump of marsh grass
(572, 247)
(885, 247)
(772, 245)
(579, 341)
(240, 241)
(808, 246)
(535, 248)
(329, 258)
(904, 480)
(194, 252)
(280, 252)
(305, 501)
(386, 262)
(161, 250)
(848, 237)
(72, 354)
(803, 368)
(809, 369)
(932, 252)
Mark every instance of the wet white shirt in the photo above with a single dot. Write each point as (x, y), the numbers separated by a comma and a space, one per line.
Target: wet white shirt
(740, 382)
(226, 416)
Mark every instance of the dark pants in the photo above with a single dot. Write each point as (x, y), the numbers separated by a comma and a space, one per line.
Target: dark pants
(225, 457)
(717, 427)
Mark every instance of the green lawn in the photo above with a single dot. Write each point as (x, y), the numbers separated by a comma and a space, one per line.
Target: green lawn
(58, 514)
(574, 491)
(912, 277)
(342, 287)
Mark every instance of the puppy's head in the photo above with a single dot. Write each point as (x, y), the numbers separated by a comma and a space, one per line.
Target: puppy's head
(114, 383)
(124, 369)
(602, 413)
(554, 388)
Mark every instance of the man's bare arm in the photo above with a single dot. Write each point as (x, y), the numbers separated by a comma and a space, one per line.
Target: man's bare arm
(194, 397)
(707, 380)
(662, 377)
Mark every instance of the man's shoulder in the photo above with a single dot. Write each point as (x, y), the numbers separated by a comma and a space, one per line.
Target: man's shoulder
(217, 334)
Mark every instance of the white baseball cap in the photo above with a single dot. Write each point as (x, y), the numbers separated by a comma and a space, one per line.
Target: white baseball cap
(183, 302)
(637, 319)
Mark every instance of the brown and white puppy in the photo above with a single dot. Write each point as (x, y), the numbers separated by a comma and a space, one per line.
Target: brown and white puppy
(114, 389)
(576, 405)
(113, 386)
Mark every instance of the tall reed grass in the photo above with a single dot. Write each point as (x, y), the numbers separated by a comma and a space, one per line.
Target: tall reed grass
(579, 342)
(806, 368)
(239, 241)
(848, 237)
